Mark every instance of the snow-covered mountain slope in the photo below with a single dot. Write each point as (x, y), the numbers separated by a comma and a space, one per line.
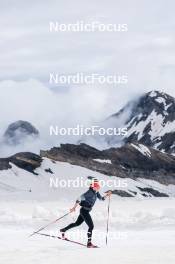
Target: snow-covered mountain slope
(29, 202)
(129, 161)
(65, 182)
(151, 121)
(23, 171)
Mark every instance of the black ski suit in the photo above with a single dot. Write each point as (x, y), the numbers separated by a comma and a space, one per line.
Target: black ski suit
(86, 201)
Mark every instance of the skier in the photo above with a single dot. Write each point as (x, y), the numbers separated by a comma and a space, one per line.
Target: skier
(86, 201)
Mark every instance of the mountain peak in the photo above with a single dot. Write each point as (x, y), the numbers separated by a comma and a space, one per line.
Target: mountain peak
(157, 100)
(18, 131)
(155, 93)
(152, 121)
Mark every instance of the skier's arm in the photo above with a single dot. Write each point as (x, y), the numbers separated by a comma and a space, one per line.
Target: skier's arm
(102, 198)
(74, 207)
(81, 198)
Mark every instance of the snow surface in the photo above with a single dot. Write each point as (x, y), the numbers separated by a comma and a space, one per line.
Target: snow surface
(142, 149)
(162, 100)
(19, 184)
(156, 126)
(153, 94)
(140, 230)
(103, 161)
(157, 129)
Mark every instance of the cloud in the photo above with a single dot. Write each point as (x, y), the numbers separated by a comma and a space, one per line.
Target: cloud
(28, 50)
(34, 102)
(29, 53)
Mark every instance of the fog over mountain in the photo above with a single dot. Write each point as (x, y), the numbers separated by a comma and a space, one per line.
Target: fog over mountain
(29, 52)
(32, 101)
(149, 119)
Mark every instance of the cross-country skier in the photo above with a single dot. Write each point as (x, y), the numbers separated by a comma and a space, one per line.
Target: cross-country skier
(86, 201)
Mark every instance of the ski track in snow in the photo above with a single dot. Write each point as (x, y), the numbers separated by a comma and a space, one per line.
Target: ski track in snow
(145, 230)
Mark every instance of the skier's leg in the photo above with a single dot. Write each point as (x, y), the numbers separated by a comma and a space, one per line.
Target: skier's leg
(78, 222)
(88, 220)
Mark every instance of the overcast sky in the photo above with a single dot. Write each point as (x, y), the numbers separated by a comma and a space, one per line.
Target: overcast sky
(146, 53)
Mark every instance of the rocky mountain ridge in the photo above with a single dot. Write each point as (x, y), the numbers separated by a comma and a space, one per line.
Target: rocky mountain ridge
(151, 121)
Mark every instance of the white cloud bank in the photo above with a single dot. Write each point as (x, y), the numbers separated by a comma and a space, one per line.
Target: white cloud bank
(146, 53)
(32, 101)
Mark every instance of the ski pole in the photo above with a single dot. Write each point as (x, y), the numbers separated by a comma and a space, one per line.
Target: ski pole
(49, 224)
(107, 227)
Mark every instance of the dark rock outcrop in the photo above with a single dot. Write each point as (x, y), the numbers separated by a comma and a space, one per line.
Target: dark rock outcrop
(24, 160)
(128, 161)
(155, 193)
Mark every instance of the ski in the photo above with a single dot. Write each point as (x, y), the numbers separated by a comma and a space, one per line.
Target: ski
(64, 239)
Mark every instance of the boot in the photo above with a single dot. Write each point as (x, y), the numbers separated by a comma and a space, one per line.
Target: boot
(63, 233)
(90, 245)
